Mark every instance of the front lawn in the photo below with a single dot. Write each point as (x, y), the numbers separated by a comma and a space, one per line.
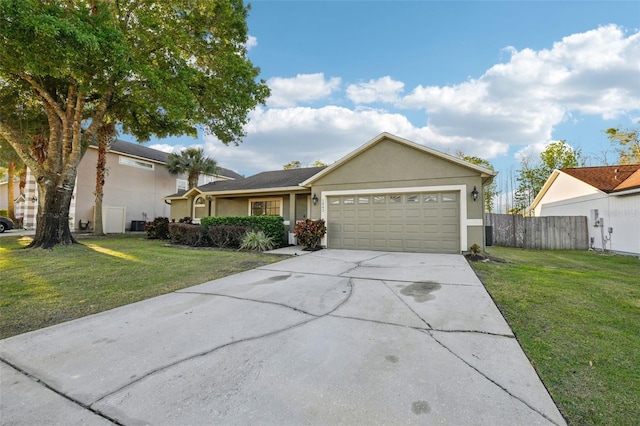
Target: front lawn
(577, 316)
(39, 288)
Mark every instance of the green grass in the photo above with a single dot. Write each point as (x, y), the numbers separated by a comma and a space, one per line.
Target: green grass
(577, 317)
(39, 288)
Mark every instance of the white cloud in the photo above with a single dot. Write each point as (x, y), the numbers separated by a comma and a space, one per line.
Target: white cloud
(251, 42)
(289, 92)
(516, 103)
(521, 101)
(164, 147)
(384, 89)
(277, 136)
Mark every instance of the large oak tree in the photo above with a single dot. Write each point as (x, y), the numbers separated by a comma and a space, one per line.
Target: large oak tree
(156, 67)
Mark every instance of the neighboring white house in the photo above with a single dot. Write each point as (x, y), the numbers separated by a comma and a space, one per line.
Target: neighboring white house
(137, 179)
(609, 196)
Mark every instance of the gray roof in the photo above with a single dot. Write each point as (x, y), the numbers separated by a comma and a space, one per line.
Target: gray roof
(264, 180)
(141, 151)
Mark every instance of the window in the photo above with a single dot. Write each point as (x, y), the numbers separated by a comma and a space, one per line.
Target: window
(430, 198)
(334, 200)
(182, 185)
(413, 199)
(449, 197)
(208, 179)
(126, 161)
(378, 199)
(265, 206)
(348, 200)
(395, 199)
(199, 202)
(363, 200)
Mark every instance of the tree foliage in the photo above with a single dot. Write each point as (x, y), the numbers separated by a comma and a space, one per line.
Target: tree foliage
(160, 68)
(295, 164)
(490, 191)
(192, 162)
(627, 144)
(532, 175)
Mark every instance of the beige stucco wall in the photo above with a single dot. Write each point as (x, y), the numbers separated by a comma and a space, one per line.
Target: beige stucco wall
(179, 210)
(138, 189)
(239, 206)
(4, 194)
(390, 164)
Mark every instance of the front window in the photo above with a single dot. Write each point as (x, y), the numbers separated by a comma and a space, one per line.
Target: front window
(182, 185)
(267, 206)
(135, 163)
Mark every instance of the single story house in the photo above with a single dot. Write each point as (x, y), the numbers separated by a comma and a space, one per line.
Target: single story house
(609, 196)
(388, 194)
(137, 179)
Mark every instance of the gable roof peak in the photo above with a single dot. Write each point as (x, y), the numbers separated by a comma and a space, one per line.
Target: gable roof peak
(487, 174)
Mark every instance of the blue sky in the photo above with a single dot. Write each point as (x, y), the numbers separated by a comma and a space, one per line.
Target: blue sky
(496, 79)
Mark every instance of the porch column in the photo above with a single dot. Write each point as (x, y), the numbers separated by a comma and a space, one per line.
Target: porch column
(292, 211)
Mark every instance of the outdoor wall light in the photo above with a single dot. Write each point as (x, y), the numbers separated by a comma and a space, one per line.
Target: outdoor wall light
(474, 193)
(34, 199)
(315, 199)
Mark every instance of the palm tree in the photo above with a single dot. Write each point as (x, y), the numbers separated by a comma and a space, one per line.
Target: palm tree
(192, 162)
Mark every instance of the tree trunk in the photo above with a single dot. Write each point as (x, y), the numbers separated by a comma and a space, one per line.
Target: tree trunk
(10, 191)
(106, 133)
(52, 224)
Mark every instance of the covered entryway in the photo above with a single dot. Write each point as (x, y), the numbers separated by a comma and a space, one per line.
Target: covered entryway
(426, 222)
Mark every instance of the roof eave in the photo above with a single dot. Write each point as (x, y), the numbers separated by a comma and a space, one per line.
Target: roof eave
(626, 192)
(255, 191)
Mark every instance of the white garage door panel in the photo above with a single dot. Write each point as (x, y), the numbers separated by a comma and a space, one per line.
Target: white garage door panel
(425, 222)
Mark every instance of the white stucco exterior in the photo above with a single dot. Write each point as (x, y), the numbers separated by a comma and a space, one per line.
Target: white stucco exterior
(568, 196)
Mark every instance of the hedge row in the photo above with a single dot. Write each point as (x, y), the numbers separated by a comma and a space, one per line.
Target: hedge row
(272, 226)
(223, 236)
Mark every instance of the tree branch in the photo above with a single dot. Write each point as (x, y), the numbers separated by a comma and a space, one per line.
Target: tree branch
(44, 94)
(14, 140)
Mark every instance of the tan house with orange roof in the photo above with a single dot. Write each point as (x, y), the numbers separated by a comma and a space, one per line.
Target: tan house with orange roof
(609, 196)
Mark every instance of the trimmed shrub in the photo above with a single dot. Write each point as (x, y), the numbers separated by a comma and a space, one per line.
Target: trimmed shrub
(188, 235)
(272, 226)
(158, 229)
(309, 232)
(4, 212)
(256, 241)
(226, 236)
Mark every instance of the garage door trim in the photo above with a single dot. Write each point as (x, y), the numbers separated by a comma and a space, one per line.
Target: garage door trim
(461, 189)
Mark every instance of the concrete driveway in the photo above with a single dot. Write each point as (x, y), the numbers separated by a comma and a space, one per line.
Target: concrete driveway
(332, 337)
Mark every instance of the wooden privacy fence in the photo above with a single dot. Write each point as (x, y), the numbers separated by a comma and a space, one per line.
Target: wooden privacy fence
(548, 233)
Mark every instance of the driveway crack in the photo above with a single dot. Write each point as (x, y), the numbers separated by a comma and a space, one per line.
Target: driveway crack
(406, 304)
(504, 389)
(248, 339)
(61, 394)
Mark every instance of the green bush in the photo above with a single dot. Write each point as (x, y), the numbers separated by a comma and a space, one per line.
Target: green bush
(4, 213)
(256, 241)
(158, 229)
(309, 232)
(226, 236)
(272, 226)
(188, 235)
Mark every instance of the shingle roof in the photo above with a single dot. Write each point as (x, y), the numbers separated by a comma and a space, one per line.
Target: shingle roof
(141, 151)
(608, 178)
(264, 180)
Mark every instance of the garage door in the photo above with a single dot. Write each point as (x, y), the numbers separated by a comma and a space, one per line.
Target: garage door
(418, 222)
